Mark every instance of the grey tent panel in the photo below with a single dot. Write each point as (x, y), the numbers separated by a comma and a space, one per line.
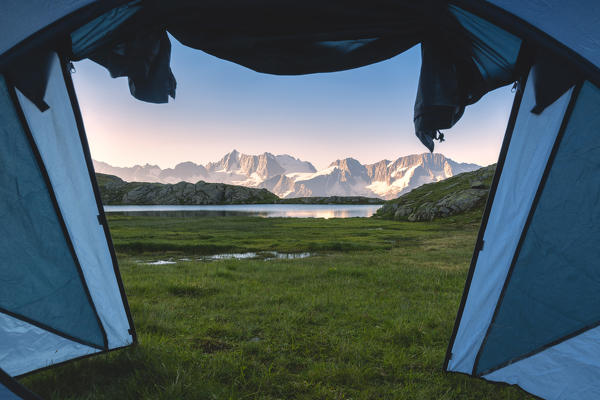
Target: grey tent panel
(552, 293)
(39, 277)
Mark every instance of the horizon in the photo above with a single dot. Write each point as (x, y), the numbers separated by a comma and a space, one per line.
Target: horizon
(282, 154)
(364, 113)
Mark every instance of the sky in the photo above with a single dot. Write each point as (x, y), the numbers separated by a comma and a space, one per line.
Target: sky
(364, 113)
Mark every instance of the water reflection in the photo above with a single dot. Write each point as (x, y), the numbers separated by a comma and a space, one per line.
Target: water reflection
(257, 210)
(264, 255)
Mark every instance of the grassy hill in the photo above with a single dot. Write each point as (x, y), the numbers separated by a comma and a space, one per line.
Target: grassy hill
(461, 193)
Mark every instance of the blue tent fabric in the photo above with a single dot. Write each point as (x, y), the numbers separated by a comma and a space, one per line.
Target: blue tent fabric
(529, 315)
(526, 155)
(7, 394)
(10, 389)
(464, 56)
(552, 293)
(493, 50)
(58, 140)
(61, 296)
(39, 277)
(573, 23)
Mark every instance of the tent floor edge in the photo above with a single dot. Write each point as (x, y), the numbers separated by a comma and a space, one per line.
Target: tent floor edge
(101, 352)
(495, 383)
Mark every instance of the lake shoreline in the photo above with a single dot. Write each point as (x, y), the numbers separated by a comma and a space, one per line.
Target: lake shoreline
(258, 210)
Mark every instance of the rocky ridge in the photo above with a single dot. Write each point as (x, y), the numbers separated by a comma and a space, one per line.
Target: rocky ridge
(456, 195)
(115, 191)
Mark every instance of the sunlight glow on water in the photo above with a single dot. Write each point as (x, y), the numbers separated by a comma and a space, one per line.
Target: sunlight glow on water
(258, 210)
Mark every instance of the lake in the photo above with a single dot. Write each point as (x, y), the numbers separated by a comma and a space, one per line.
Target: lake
(259, 210)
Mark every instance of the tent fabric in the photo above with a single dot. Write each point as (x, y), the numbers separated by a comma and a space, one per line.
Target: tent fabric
(145, 60)
(464, 56)
(144, 57)
(25, 347)
(530, 310)
(568, 370)
(493, 50)
(530, 146)
(60, 296)
(30, 76)
(457, 69)
(20, 19)
(553, 289)
(57, 138)
(574, 23)
(60, 293)
(40, 278)
(95, 33)
(7, 394)
(10, 389)
(551, 78)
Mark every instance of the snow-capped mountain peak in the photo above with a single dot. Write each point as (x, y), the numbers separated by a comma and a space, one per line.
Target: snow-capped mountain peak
(288, 176)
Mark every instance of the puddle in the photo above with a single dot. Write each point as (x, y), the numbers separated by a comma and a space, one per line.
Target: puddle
(161, 262)
(287, 256)
(230, 256)
(263, 255)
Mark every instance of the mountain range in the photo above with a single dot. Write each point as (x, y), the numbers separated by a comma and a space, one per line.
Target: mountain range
(289, 177)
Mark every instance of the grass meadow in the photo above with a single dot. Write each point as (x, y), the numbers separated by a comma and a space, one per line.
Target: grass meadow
(367, 316)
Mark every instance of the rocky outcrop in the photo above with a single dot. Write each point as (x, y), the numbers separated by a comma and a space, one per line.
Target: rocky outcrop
(115, 191)
(461, 193)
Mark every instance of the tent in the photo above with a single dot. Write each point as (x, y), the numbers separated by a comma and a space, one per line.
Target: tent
(61, 295)
(10, 389)
(529, 311)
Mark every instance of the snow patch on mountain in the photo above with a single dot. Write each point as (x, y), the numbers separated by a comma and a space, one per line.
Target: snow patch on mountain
(287, 176)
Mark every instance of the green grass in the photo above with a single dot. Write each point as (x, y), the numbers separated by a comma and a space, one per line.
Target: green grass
(368, 317)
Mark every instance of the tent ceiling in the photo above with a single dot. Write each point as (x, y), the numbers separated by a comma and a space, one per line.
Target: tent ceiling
(464, 56)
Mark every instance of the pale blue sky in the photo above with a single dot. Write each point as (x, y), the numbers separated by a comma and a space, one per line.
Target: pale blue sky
(365, 113)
